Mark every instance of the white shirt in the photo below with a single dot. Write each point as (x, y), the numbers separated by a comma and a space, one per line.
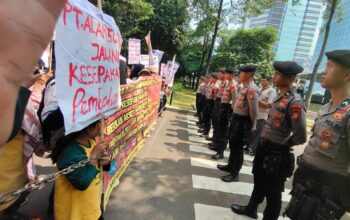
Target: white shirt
(266, 95)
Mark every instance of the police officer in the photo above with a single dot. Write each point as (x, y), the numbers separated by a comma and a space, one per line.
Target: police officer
(321, 186)
(202, 83)
(274, 160)
(218, 91)
(203, 102)
(225, 113)
(209, 105)
(242, 123)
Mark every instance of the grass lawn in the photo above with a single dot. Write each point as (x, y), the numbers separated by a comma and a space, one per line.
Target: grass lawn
(183, 97)
(314, 107)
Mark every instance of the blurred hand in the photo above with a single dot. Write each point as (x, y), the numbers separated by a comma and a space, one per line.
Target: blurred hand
(98, 149)
(26, 28)
(105, 160)
(30, 81)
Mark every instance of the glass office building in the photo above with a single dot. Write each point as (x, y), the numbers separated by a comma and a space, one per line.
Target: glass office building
(339, 35)
(295, 25)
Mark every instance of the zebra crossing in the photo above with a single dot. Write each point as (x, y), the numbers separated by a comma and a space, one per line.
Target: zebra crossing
(200, 158)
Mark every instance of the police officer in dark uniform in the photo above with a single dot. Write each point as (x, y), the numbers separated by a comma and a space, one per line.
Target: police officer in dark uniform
(203, 102)
(321, 186)
(242, 123)
(274, 159)
(225, 113)
(209, 105)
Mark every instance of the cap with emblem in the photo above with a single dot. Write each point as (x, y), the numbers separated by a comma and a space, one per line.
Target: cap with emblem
(288, 67)
(340, 56)
(230, 70)
(215, 75)
(248, 68)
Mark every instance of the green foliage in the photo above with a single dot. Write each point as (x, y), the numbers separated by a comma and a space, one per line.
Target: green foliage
(254, 46)
(166, 19)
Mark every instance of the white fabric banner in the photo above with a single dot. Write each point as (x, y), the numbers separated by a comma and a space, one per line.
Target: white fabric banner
(87, 52)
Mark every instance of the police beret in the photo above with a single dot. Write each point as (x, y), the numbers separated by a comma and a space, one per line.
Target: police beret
(340, 56)
(248, 68)
(288, 67)
(215, 75)
(230, 70)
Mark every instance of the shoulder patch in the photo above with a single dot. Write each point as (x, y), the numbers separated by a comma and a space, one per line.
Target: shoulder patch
(251, 93)
(296, 109)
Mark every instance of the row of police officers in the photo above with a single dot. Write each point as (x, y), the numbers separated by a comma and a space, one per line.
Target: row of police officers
(321, 184)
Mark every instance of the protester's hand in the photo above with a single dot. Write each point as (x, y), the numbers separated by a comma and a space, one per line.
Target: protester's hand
(30, 81)
(26, 28)
(346, 216)
(105, 160)
(98, 149)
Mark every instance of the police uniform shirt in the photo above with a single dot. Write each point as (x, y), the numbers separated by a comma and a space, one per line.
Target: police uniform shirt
(286, 123)
(266, 95)
(228, 92)
(205, 88)
(220, 88)
(246, 103)
(329, 145)
(210, 91)
(201, 87)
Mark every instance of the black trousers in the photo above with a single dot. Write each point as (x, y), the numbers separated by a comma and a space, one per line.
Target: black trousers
(198, 99)
(257, 134)
(239, 133)
(207, 116)
(215, 118)
(266, 185)
(222, 128)
(200, 109)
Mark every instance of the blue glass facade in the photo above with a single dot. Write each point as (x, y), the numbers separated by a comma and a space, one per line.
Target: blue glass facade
(295, 26)
(339, 35)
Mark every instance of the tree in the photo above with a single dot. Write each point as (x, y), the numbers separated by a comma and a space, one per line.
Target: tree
(247, 46)
(331, 5)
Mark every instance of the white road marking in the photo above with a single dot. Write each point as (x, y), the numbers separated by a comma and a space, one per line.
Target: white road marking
(237, 188)
(208, 212)
(205, 150)
(211, 164)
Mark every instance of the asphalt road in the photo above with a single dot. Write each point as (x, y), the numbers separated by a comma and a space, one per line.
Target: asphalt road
(172, 177)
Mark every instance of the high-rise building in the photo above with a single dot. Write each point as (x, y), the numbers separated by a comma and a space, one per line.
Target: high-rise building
(339, 34)
(296, 26)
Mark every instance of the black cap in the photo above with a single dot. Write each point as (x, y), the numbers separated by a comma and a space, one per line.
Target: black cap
(230, 70)
(288, 67)
(215, 75)
(248, 68)
(268, 78)
(340, 56)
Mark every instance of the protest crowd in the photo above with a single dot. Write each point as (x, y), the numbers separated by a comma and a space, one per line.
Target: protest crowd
(77, 109)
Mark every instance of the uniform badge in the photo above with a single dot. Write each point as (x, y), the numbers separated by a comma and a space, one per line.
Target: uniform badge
(340, 114)
(283, 102)
(277, 124)
(251, 94)
(278, 116)
(326, 139)
(296, 108)
(233, 88)
(325, 144)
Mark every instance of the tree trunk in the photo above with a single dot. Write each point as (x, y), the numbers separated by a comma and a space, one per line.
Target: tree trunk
(319, 59)
(199, 72)
(214, 36)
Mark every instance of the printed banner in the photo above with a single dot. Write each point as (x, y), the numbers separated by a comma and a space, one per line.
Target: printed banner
(134, 55)
(87, 52)
(128, 127)
(164, 70)
(159, 54)
(172, 69)
(145, 60)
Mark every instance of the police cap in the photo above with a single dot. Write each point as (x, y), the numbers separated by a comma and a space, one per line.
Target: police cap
(248, 68)
(288, 67)
(215, 75)
(230, 70)
(340, 56)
